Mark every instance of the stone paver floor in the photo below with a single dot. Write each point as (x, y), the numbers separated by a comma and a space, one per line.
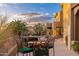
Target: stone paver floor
(62, 50)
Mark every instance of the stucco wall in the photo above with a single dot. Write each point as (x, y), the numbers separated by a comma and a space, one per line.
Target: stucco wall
(67, 22)
(69, 15)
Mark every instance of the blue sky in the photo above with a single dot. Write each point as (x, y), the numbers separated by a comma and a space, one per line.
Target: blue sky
(44, 8)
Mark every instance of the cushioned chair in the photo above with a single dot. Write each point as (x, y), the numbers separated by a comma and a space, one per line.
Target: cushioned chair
(51, 43)
(21, 48)
(25, 50)
(50, 46)
(41, 49)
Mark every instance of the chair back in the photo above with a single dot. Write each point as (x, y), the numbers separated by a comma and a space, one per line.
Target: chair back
(51, 40)
(19, 42)
(32, 39)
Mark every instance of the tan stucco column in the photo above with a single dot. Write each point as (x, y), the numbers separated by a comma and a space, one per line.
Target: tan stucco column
(69, 29)
(69, 37)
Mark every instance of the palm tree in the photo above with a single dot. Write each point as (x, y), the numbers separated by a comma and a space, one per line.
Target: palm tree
(18, 27)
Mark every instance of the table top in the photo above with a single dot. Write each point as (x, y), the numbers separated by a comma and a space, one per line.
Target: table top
(38, 43)
(32, 36)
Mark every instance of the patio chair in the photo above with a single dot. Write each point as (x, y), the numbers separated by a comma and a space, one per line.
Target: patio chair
(21, 48)
(41, 49)
(32, 39)
(50, 42)
(50, 46)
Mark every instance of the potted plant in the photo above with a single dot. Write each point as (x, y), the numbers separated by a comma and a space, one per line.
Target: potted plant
(75, 46)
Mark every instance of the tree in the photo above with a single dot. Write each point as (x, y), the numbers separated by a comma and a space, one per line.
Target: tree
(17, 27)
(40, 29)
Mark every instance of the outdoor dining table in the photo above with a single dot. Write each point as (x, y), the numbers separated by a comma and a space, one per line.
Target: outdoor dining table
(37, 45)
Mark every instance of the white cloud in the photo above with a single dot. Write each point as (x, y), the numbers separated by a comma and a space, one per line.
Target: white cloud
(2, 4)
(6, 4)
(46, 13)
(39, 17)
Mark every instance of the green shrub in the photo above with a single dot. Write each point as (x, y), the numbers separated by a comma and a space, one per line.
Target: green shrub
(17, 27)
(75, 46)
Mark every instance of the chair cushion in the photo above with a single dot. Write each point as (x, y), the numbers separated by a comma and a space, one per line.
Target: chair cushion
(50, 46)
(26, 50)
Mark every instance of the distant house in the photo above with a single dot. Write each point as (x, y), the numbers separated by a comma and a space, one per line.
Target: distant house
(58, 24)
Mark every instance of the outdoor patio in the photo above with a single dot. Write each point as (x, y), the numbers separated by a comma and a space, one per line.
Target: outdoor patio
(39, 33)
(60, 49)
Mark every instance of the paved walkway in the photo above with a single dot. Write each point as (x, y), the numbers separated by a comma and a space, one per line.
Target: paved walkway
(61, 49)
